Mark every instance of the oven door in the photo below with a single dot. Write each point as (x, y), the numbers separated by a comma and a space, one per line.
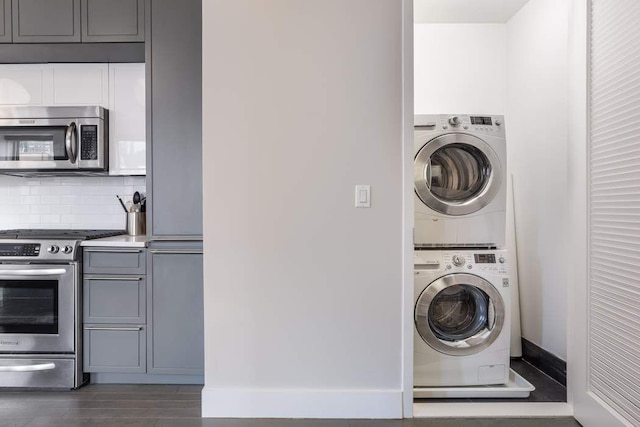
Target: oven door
(37, 308)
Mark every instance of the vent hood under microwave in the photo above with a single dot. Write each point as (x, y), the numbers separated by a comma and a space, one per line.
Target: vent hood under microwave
(54, 141)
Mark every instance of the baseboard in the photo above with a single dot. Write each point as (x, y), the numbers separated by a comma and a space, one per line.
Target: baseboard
(276, 403)
(547, 362)
(105, 378)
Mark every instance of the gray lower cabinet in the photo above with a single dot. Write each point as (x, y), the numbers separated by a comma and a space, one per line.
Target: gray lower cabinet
(46, 21)
(114, 305)
(176, 313)
(5, 21)
(112, 21)
(114, 261)
(174, 121)
(115, 348)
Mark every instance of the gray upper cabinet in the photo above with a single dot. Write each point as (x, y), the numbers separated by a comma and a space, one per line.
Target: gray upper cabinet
(46, 21)
(112, 21)
(5, 21)
(175, 119)
(175, 317)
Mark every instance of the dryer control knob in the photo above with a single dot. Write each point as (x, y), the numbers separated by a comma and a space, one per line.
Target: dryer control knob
(498, 122)
(454, 121)
(458, 260)
(501, 260)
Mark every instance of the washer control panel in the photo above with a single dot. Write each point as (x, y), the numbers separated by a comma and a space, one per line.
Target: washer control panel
(491, 125)
(468, 260)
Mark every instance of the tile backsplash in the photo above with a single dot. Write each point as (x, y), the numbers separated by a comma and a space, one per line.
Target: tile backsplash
(73, 203)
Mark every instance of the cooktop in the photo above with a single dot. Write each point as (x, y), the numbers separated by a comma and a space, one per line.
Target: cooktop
(58, 234)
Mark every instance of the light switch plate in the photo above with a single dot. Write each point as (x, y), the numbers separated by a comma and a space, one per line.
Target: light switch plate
(363, 196)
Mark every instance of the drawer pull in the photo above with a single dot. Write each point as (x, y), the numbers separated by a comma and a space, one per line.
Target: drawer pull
(29, 368)
(107, 328)
(176, 252)
(114, 278)
(114, 251)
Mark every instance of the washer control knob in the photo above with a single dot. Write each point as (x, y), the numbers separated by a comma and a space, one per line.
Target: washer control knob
(501, 260)
(53, 249)
(454, 121)
(67, 249)
(458, 260)
(498, 122)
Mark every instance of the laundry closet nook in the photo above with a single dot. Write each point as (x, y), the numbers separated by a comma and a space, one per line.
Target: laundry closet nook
(491, 146)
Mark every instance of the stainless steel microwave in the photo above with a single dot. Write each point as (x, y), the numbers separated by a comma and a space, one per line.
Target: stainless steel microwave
(54, 140)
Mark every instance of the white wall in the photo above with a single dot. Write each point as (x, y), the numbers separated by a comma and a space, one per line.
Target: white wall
(303, 292)
(537, 130)
(460, 68)
(75, 202)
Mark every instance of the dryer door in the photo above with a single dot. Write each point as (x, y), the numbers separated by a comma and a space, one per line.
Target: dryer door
(460, 314)
(457, 174)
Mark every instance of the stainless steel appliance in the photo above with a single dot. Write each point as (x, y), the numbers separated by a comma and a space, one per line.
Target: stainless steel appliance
(53, 140)
(40, 307)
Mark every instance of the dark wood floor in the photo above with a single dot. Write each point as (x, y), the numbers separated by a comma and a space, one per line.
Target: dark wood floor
(179, 406)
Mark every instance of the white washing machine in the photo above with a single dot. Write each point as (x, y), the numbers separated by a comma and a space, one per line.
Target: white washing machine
(462, 318)
(460, 181)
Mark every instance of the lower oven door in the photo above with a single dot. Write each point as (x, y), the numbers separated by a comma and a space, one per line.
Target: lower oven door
(49, 372)
(38, 308)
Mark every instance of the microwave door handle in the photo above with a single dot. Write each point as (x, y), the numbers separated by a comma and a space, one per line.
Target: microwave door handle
(71, 142)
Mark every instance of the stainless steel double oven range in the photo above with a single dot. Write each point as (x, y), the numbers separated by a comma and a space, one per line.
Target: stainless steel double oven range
(41, 307)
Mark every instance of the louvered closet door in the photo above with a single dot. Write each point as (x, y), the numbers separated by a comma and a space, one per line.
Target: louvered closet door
(613, 299)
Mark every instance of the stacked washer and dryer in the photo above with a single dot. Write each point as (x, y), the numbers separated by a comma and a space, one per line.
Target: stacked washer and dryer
(461, 286)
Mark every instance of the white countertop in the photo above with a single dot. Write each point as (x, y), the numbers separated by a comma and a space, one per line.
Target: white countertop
(123, 241)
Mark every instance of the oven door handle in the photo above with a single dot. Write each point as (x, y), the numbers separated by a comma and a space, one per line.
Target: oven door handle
(32, 273)
(29, 368)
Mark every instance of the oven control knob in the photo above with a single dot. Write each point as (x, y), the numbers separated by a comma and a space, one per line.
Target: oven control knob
(454, 121)
(53, 249)
(458, 260)
(67, 249)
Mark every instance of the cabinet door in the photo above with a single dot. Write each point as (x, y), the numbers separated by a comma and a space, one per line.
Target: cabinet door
(81, 84)
(114, 299)
(5, 21)
(127, 118)
(114, 348)
(176, 118)
(46, 21)
(25, 84)
(112, 21)
(175, 313)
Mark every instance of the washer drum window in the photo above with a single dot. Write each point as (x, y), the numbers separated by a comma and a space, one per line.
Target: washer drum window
(457, 174)
(459, 314)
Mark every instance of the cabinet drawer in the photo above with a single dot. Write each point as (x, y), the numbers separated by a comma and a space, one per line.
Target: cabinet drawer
(114, 299)
(114, 261)
(115, 349)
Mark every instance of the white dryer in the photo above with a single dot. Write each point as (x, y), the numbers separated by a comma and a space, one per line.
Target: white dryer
(460, 181)
(462, 318)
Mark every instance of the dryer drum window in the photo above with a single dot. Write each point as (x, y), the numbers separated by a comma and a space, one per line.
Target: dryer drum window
(460, 312)
(458, 172)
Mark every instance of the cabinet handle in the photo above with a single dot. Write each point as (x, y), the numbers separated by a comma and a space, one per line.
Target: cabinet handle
(177, 252)
(114, 278)
(107, 328)
(176, 238)
(119, 251)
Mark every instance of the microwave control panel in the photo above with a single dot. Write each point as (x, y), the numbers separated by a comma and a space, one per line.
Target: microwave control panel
(89, 142)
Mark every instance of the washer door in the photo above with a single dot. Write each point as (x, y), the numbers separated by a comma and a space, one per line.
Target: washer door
(459, 314)
(457, 174)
